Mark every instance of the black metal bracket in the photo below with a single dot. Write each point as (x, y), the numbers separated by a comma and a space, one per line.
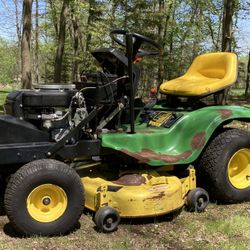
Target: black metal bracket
(129, 47)
(73, 133)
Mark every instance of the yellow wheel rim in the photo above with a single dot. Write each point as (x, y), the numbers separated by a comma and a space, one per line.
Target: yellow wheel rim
(46, 203)
(239, 169)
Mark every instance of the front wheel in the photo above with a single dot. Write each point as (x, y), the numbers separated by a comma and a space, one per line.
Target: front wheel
(44, 197)
(224, 168)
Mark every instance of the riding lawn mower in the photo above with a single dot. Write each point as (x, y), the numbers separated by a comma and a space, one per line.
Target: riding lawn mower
(93, 145)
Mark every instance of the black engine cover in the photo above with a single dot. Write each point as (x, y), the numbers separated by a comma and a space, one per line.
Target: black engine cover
(17, 101)
(14, 130)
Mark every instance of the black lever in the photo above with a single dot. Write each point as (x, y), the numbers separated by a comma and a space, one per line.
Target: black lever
(129, 47)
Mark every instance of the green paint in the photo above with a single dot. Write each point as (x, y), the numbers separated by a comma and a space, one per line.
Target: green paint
(180, 144)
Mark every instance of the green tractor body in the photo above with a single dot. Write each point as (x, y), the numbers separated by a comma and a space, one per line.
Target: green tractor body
(176, 137)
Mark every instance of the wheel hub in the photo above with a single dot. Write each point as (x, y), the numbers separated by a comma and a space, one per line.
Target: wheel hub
(46, 203)
(200, 201)
(239, 169)
(109, 221)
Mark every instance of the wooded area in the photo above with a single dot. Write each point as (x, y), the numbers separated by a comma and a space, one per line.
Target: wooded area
(54, 38)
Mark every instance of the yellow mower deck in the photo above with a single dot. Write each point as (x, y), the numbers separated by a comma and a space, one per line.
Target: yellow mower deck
(138, 194)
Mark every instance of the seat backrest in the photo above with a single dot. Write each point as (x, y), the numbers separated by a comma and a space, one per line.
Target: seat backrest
(215, 65)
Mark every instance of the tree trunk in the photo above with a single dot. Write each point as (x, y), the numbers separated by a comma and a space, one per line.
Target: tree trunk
(193, 14)
(112, 19)
(19, 39)
(126, 14)
(227, 24)
(169, 66)
(36, 63)
(61, 42)
(54, 15)
(25, 44)
(227, 38)
(89, 22)
(18, 32)
(197, 31)
(75, 24)
(162, 32)
(161, 38)
(248, 77)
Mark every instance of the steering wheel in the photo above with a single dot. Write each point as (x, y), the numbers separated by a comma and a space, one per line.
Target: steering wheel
(138, 40)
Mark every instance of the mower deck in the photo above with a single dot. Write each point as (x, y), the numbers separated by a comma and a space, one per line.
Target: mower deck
(138, 194)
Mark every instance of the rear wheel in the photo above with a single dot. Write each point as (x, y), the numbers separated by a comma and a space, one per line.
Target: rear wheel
(224, 167)
(44, 197)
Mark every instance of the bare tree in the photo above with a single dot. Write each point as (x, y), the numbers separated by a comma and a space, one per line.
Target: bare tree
(248, 77)
(227, 38)
(36, 61)
(54, 18)
(61, 41)
(18, 31)
(25, 44)
(166, 10)
(75, 24)
(227, 24)
(19, 38)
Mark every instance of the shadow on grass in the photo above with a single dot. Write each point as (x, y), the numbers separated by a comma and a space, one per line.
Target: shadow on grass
(143, 220)
(151, 219)
(13, 233)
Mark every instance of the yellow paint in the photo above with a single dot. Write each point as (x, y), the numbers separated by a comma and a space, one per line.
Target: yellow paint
(160, 194)
(239, 169)
(46, 203)
(208, 73)
(188, 183)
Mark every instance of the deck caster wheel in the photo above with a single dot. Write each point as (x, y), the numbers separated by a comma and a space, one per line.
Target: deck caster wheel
(107, 219)
(197, 200)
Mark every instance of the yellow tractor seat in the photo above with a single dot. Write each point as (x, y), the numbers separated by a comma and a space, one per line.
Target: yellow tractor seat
(209, 73)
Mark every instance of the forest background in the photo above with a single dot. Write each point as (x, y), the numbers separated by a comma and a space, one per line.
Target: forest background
(50, 41)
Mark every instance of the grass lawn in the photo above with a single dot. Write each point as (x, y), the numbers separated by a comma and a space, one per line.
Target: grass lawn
(219, 227)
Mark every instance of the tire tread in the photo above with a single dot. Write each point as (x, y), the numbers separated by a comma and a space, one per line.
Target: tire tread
(207, 167)
(33, 168)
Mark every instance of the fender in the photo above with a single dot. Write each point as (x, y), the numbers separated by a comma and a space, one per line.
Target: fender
(182, 143)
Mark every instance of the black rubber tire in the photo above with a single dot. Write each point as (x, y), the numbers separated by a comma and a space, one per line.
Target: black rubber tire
(102, 216)
(30, 176)
(212, 167)
(2, 190)
(197, 200)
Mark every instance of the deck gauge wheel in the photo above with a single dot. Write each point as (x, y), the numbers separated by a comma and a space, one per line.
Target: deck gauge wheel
(107, 219)
(197, 200)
